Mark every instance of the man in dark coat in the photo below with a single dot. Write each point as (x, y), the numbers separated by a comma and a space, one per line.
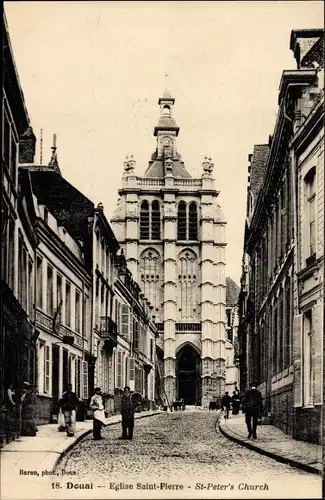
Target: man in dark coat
(253, 407)
(127, 411)
(225, 404)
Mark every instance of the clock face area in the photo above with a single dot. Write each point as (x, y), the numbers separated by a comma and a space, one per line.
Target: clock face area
(166, 142)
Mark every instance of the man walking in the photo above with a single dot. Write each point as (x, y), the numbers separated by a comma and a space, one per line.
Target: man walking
(68, 404)
(225, 404)
(127, 411)
(252, 406)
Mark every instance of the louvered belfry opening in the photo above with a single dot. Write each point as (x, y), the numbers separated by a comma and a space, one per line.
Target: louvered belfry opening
(192, 222)
(181, 221)
(155, 220)
(144, 221)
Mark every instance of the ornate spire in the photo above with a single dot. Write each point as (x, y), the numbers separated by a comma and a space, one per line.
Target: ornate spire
(54, 158)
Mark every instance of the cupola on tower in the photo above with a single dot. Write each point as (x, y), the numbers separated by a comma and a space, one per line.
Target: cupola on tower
(172, 231)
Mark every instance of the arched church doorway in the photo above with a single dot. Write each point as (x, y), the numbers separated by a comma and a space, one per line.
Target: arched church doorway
(189, 375)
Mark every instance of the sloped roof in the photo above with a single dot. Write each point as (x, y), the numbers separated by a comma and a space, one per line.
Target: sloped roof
(156, 169)
(258, 168)
(232, 292)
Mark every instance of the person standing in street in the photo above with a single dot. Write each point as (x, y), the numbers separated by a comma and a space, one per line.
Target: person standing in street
(68, 404)
(28, 411)
(225, 404)
(127, 412)
(99, 418)
(235, 403)
(252, 407)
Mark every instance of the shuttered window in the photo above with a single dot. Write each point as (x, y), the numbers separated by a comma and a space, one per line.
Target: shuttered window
(144, 221)
(125, 321)
(131, 373)
(181, 221)
(47, 370)
(119, 369)
(85, 379)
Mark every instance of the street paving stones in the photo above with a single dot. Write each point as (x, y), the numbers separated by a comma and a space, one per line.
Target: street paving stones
(182, 448)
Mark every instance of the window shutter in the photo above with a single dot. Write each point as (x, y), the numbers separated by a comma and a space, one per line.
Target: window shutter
(85, 379)
(131, 374)
(119, 369)
(125, 313)
(317, 353)
(47, 370)
(297, 330)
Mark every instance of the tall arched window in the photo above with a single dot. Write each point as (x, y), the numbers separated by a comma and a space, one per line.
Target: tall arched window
(187, 271)
(150, 276)
(155, 220)
(192, 221)
(150, 220)
(182, 221)
(144, 221)
(187, 221)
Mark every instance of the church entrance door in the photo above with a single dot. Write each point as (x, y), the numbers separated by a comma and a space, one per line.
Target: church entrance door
(188, 375)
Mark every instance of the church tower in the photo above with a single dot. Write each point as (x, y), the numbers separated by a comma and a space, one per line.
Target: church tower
(172, 231)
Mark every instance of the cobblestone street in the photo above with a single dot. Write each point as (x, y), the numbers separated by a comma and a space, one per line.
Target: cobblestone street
(181, 449)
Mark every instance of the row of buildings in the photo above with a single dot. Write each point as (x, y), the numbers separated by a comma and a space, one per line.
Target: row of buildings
(71, 310)
(141, 300)
(281, 299)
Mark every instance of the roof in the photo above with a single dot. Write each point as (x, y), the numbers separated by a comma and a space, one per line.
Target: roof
(258, 168)
(304, 33)
(166, 123)
(68, 205)
(156, 169)
(232, 292)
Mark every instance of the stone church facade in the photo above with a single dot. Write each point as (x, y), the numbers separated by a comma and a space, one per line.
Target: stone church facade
(172, 232)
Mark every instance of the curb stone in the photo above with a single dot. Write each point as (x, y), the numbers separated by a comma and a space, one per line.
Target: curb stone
(269, 454)
(89, 431)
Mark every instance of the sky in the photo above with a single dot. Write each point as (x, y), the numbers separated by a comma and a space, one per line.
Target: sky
(92, 73)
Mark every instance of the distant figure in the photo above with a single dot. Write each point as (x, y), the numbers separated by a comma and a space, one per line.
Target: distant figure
(28, 411)
(225, 404)
(252, 407)
(235, 403)
(127, 411)
(99, 417)
(10, 397)
(68, 404)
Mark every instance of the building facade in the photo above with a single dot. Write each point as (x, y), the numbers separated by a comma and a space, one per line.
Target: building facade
(172, 231)
(284, 204)
(232, 351)
(18, 245)
(63, 288)
(134, 357)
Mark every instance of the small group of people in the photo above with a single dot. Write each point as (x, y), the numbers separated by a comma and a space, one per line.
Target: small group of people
(127, 408)
(229, 402)
(251, 404)
(27, 408)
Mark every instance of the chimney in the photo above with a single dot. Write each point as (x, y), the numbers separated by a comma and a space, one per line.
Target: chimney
(27, 146)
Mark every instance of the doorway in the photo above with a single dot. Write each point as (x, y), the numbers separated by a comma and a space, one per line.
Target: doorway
(189, 376)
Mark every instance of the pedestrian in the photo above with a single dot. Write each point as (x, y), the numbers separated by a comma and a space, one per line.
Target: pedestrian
(28, 411)
(235, 403)
(127, 411)
(68, 405)
(10, 397)
(225, 404)
(99, 417)
(252, 407)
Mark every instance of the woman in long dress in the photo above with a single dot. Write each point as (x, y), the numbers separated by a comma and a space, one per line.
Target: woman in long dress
(99, 418)
(28, 411)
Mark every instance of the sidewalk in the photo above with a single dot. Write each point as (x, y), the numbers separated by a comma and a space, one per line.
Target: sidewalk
(274, 443)
(39, 455)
